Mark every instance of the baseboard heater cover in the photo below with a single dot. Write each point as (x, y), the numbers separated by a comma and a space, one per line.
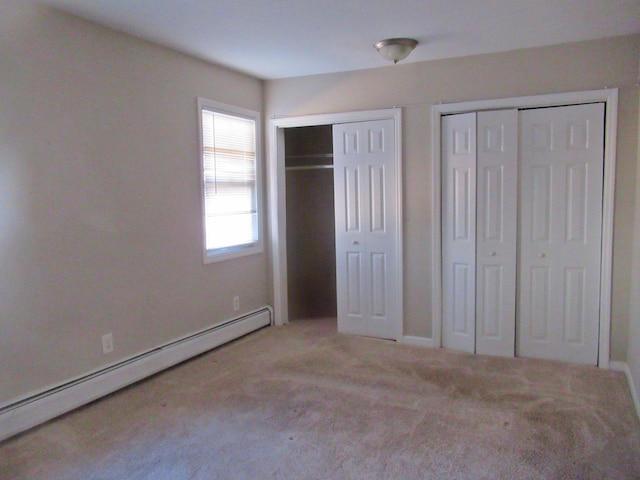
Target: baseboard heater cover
(36, 409)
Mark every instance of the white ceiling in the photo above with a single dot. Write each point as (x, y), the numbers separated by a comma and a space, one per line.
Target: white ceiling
(286, 38)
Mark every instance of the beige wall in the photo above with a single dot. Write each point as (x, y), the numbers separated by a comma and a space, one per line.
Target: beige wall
(633, 353)
(100, 225)
(573, 67)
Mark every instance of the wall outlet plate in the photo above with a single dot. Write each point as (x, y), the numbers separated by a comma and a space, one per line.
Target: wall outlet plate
(107, 343)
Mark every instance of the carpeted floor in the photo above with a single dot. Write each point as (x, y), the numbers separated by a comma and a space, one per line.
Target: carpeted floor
(300, 402)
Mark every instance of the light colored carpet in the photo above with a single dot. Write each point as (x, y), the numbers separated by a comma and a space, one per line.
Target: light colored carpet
(300, 402)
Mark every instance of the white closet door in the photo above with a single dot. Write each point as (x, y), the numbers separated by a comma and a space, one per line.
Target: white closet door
(366, 228)
(459, 231)
(560, 241)
(497, 194)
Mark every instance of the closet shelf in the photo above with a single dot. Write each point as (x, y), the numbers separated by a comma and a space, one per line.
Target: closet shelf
(308, 156)
(308, 161)
(309, 167)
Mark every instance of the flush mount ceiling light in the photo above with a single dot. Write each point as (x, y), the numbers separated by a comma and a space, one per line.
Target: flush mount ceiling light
(396, 49)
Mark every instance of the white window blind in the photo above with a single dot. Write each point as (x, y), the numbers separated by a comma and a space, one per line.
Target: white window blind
(230, 181)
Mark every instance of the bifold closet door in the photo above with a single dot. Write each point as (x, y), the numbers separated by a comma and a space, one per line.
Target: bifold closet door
(562, 161)
(522, 219)
(459, 231)
(479, 222)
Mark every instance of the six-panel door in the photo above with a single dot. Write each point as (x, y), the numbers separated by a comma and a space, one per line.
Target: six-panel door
(366, 228)
(562, 151)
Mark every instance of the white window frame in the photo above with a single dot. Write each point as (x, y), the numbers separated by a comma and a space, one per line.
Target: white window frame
(217, 255)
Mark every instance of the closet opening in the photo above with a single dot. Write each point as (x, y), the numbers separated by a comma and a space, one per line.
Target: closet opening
(326, 271)
(310, 222)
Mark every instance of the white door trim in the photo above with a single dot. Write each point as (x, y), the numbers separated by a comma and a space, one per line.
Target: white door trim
(277, 198)
(610, 98)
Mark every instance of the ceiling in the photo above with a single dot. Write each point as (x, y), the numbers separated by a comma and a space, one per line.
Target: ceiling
(287, 38)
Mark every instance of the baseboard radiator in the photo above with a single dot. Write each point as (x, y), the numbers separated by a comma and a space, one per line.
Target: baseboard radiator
(45, 405)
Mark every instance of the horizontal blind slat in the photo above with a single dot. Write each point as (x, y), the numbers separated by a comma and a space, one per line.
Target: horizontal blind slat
(229, 162)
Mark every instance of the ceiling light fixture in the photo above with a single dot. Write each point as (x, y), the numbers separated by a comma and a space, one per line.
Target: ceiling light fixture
(396, 49)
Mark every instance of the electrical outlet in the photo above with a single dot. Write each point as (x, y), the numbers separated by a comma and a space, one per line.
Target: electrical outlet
(236, 303)
(107, 343)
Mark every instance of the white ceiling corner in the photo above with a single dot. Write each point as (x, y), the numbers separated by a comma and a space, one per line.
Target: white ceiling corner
(286, 38)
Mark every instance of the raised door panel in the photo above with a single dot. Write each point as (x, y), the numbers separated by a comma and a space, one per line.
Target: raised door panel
(351, 202)
(573, 318)
(537, 303)
(490, 304)
(379, 285)
(377, 184)
(354, 284)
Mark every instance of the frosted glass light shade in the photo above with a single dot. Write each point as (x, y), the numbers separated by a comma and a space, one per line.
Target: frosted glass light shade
(396, 49)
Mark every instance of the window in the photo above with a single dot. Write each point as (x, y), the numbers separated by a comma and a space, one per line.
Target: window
(230, 165)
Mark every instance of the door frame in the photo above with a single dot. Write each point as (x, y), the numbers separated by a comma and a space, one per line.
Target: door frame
(610, 99)
(276, 192)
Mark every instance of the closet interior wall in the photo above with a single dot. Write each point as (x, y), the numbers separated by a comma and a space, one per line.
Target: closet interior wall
(311, 253)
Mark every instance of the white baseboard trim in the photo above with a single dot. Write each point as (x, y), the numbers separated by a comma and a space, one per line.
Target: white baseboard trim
(418, 341)
(39, 408)
(624, 367)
